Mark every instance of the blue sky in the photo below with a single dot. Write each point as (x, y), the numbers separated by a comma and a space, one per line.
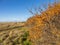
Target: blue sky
(16, 10)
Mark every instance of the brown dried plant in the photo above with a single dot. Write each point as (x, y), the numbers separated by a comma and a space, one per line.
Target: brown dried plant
(44, 28)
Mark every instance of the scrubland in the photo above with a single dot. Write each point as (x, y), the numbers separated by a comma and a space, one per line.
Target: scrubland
(40, 29)
(13, 33)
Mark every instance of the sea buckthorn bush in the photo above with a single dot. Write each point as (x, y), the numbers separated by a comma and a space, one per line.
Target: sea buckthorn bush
(44, 28)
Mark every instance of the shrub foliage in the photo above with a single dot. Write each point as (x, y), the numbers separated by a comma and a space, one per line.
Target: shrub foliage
(44, 28)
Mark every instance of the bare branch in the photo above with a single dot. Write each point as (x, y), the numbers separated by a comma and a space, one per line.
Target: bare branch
(30, 10)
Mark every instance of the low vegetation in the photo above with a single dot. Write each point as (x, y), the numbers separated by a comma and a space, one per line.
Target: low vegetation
(14, 34)
(41, 29)
(44, 28)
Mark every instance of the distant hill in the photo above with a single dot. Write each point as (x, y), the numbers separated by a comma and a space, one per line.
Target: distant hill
(8, 25)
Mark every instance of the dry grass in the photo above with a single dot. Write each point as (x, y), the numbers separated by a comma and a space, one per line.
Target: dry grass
(13, 34)
(45, 27)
